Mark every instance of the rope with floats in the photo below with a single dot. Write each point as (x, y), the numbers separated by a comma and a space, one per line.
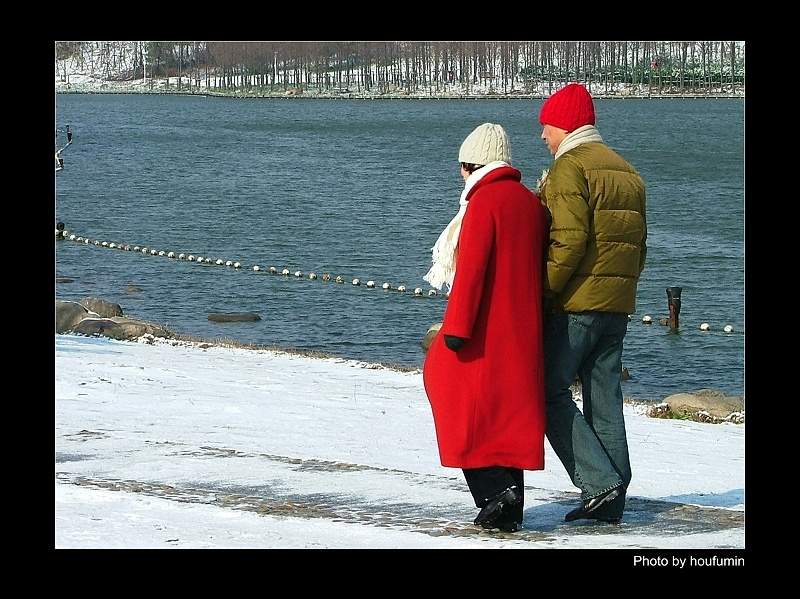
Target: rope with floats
(236, 265)
(418, 292)
(705, 327)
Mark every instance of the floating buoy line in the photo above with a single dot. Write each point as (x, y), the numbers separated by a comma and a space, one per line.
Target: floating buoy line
(418, 292)
(647, 319)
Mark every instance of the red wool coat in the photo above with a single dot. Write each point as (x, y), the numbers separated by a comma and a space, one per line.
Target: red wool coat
(488, 398)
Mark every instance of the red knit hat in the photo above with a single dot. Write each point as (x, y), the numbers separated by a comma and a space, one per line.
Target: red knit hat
(568, 108)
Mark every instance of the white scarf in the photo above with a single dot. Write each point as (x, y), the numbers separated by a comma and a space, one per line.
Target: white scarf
(443, 270)
(581, 135)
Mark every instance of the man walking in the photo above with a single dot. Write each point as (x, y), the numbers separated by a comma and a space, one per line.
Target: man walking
(596, 253)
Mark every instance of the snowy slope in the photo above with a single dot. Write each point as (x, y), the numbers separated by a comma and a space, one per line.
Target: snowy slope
(177, 446)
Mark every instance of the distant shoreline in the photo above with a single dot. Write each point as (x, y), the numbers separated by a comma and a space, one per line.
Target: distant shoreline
(352, 96)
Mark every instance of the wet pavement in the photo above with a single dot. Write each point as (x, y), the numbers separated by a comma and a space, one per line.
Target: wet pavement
(287, 480)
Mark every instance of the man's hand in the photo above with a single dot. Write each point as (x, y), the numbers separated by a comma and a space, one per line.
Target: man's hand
(453, 342)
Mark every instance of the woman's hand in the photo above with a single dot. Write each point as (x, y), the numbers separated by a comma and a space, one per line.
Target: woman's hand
(453, 342)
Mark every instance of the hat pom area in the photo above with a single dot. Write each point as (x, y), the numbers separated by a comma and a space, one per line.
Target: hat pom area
(569, 108)
(487, 143)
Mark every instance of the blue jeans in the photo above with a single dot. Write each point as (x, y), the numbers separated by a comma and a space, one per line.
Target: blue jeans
(592, 446)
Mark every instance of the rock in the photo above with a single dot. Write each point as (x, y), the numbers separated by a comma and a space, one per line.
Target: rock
(659, 411)
(101, 307)
(715, 403)
(64, 280)
(233, 317)
(68, 314)
(130, 328)
(430, 335)
(151, 329)
(120, 327)
(133, 289)
(736, 418)
(97, 326)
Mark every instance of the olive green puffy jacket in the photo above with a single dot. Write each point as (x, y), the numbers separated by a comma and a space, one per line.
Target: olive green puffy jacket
(598, 230)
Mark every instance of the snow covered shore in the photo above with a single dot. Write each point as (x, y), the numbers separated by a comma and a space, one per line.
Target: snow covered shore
(87, 83)
(174, 445)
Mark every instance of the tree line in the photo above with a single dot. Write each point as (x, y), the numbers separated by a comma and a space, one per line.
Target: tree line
(396, 66)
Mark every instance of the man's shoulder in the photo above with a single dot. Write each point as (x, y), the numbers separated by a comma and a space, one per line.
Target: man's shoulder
(603, 155)
(567, 169)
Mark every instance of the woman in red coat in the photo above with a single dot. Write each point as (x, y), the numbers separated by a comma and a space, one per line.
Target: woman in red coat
(484, 370)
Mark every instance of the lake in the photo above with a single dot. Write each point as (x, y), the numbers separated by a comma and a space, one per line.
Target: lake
(362, 189)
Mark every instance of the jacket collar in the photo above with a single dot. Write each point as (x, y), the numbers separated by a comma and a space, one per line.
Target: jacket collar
(504, 172)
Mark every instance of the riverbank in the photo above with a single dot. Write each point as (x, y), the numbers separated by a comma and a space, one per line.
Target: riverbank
(276, 96)
(171, 86)
(700, 408)
(170, 444)
(106, 319)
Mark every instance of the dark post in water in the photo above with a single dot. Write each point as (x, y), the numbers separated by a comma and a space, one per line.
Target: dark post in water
(674, 301)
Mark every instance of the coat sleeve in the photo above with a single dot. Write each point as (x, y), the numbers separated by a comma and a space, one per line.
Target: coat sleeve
(567, 201)
(475, 245)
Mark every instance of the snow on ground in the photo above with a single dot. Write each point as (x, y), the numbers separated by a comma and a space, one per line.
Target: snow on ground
(177, 446)
(70, 77)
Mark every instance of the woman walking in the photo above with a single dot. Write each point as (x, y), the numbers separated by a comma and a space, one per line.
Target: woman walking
(483, 373)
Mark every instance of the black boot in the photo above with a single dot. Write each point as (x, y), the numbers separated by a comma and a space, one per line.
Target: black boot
(496, 513)
(506, 523)
(611, 511)
(587, 510)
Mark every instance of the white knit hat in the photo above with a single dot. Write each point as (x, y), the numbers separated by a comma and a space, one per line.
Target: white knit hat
(487, 143)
